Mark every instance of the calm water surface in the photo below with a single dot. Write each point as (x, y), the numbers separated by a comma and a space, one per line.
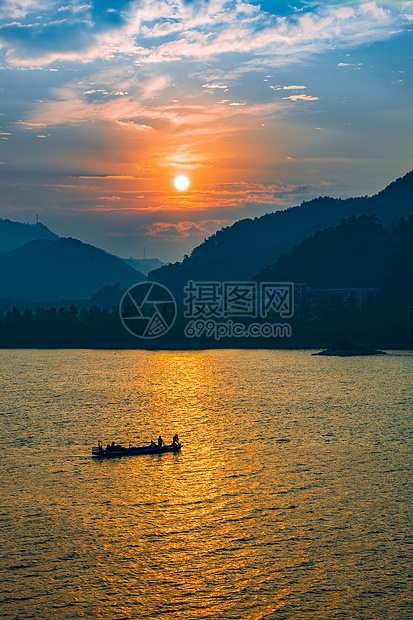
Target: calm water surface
(290, 499)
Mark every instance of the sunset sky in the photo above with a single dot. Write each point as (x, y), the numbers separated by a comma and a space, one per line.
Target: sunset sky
(260, 104)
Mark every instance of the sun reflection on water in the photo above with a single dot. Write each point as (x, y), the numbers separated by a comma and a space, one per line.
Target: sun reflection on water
(289, 495)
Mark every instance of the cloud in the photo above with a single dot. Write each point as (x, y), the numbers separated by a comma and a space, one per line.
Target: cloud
(108, 176)
(162, 64)
(292, 87)
(215, 86)
(28, 125)
(301, 98)
(156, 31)
(137, 91)
(178, 231)
(197, 116)
(357, 65)
(133, 125)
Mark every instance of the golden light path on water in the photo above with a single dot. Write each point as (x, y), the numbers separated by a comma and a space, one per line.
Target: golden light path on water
(290, 498)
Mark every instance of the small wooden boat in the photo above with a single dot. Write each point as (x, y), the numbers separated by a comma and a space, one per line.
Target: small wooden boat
(113, 451)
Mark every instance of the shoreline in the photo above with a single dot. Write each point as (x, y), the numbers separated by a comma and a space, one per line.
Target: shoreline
(381, 349)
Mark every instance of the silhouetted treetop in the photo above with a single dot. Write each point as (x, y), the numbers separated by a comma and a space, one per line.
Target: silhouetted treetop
(239, 251)
(359, 252)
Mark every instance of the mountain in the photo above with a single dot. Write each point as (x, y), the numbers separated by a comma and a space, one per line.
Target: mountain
(52, 270)
(359, 252)
(389, 205)
(144, 265)
(107, 297)
(15, 234)
(239, 251)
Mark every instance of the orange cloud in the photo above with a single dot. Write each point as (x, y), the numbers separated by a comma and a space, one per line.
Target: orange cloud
(178, 231)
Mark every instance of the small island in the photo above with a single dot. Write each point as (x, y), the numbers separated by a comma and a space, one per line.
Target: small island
(346, 347)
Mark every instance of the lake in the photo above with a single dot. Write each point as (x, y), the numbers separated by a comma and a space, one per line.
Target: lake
(290, 499)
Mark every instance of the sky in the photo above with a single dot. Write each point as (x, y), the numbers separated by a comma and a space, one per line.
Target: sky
(262, 105)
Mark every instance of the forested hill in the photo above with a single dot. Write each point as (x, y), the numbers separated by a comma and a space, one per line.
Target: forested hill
(15, 234)
(239, 251)
(389, 205)
(359, 252)
(46, 270)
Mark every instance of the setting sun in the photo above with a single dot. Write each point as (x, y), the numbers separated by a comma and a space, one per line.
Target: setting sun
(181, 182)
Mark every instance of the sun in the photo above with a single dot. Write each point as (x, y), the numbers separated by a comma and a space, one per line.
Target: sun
(181, 182)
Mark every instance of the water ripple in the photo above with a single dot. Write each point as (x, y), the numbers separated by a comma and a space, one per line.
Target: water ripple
(289, 500)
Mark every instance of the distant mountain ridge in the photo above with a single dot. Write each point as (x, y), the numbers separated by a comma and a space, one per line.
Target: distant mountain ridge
(65, 269)
(239, 251)
(38, 266)
(144, 265)
(390, 204)
(62, 269)
(15, 234)
(358, 252)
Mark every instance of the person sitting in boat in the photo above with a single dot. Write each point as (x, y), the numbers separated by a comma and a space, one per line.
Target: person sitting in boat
(175, 439)
(160, 442)
(152, 444)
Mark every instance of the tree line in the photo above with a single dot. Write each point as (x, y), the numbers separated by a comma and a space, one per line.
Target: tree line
(384, 320)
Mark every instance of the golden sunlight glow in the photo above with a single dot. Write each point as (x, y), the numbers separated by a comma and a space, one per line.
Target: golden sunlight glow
(181, 182)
